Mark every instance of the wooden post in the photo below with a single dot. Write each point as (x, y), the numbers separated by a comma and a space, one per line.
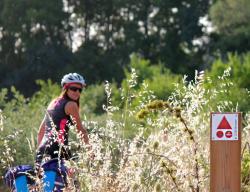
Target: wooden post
(225, 152)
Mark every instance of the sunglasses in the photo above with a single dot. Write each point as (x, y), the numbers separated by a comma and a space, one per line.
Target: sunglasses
(75, 89)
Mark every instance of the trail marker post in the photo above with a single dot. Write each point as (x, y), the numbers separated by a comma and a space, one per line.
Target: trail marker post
(225, 151)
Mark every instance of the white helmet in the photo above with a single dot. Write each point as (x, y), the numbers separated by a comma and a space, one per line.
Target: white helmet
(73, 78)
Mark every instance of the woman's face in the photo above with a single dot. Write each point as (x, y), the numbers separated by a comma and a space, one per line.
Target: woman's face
(74, 91)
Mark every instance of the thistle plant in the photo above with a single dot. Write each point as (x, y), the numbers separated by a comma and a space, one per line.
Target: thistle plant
(172, 156)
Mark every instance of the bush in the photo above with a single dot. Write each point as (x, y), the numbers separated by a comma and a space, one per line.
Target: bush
(141, 140)
(237, 83)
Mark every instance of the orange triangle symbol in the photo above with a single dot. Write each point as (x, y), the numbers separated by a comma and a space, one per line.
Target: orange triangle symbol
(224, 124)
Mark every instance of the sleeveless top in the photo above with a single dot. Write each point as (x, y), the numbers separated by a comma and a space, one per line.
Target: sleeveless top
(57, 123)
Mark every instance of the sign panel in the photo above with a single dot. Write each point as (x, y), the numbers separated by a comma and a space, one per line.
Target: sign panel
(225, 126)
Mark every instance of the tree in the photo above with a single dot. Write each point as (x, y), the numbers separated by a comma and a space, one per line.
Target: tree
(231, 19)
(38, 37)
(157, 30)
(35, 42)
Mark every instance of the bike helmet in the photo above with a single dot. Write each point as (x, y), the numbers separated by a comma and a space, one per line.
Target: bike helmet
(72, 78)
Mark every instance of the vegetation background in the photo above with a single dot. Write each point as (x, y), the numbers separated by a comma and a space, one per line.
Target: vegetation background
(155, 70)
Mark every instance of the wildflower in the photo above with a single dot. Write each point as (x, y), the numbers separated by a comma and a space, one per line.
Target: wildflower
(177, 112)
(182, 120)
(191, 138)
(135, 186)
(142, 113)
(157, 187)
(138, 143)
(165, 135)
(169, 170)
(135, 164)
(157, 104)
(163, 163)
(190, 132)
(166, 104)
(155, 145)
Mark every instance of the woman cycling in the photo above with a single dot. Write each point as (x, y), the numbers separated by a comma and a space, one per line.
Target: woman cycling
(61, 113)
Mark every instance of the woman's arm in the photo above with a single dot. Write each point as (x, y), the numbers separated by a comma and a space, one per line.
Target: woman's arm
(72, 109)
(41, 132)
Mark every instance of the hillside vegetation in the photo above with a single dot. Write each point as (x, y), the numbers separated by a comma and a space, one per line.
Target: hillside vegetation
(149, 134)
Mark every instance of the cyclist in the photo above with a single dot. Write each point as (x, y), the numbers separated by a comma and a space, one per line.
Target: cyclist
(61, 113)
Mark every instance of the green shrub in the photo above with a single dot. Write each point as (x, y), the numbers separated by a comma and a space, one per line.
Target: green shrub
(237, 70)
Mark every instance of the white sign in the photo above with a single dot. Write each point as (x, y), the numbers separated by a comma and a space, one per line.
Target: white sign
(224, 126)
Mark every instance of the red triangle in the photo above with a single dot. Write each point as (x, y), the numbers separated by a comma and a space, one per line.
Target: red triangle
(224, 124)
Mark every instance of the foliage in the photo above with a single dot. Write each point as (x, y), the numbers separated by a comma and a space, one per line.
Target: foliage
(45, 40)
(92, 100)
(240, 65)
(222, 12)
(158, 30)
(232, 27)
(142, 143)
(147, 162)
(158, 161)
(22, 117)
(33, 42)
(156, 78)
(237, 83)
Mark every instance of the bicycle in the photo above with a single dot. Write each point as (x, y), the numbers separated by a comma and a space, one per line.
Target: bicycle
(52, 177)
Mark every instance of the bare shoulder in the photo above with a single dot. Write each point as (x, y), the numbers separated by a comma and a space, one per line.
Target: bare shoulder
(71, 108)
(51, 104)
